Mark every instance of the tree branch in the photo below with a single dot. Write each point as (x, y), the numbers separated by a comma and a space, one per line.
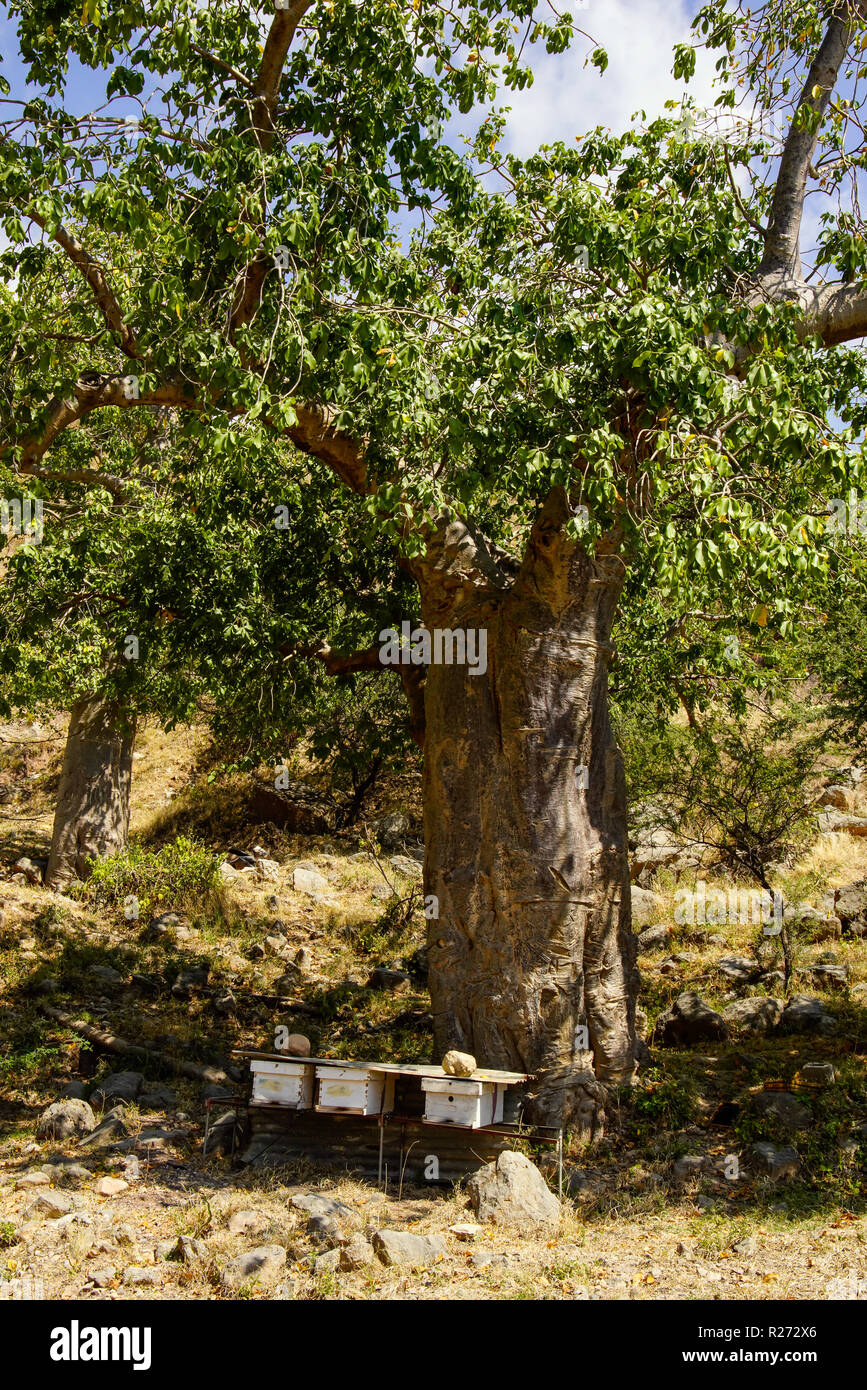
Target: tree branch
(96, 278)
(782, 239)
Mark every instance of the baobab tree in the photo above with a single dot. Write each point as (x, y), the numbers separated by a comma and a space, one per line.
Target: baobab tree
(608, 367)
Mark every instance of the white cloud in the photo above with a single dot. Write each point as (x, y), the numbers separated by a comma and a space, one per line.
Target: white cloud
(567, 99)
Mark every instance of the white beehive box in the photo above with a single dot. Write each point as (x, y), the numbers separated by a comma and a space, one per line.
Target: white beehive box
(354, 1091)
(283, 1083)
(472, 1104)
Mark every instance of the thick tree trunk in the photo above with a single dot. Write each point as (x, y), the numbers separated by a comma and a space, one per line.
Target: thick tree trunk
(92, 816)
(532, 956)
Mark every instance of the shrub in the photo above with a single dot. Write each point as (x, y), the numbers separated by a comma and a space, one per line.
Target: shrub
(183, 874)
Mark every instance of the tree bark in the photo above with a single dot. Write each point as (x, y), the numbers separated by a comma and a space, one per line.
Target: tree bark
(532, 956)
(92, 816)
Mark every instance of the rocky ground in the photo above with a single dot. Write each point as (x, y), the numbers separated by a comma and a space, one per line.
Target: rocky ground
(734, 1169)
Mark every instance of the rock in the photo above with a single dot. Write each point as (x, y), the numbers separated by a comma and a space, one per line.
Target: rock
(325, 1230)
(645, 905)
(262, 1265)
(110, 1187)
(222, 1133)
(118, 1086)
(111, 1128)
(309, 881)
(28, 1180)
(781, 1109)
(458, 1063)
(831, 976)
(192, 1250)
(71, 1174)
(33, 871)
(738, 968)
(395, 981)
(687, 1167)
(391, 829)
(227, 873)
(747, 1246)
(382, 892)
(248, 1222)
(299, 808)
(256, 951)
(850, 905)
(837, 823)
(267, 868)
(465, 1230)
(102, 1278)
(817, 1074)
(303, 958)
(316, 1205)
(106, 973)
(75, 1090)
(690, 1020)
(167, 926)
(297, 1045)
(512, 1191)
(777, 1163)
(838, 797)
(757, 1015)
(190, 979)
(141, 1274)
(274, 945)
(358, 1253)
(406, 1248)
(804, 1014)
(772, 979)
(652, 938)
(405, 865)
(327, 1263)
(64, 1119)
(51, 1204)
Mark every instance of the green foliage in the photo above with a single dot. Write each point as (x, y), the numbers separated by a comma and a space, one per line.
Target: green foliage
(744, 785)
(8, 1235)
(181, 875)
(660, 1101)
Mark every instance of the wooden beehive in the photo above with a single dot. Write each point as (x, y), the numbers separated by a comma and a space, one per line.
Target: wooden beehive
(465, 1102)
(353, 1090)
(283, 1083)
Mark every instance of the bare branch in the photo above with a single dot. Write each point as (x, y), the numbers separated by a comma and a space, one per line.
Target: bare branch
(782, 255)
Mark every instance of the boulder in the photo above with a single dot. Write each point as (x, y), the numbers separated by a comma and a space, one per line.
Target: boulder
(690, 1020)
(358, 1253)
(300, 809)
(51, 1203)
(777, 1163)
(395, 981)
(688, 1166)
(652, 939)
(804, 1014)
(297, 1045)
(458, 1063)
(314, 1204)
(645, 905)
(758, 1015)
(65, 1119)
(817, 1074)
(262, 1265)
(839, 797)
(838, 823)
(120, 1086)
(309, 881)
(512, 1191)
(850, 905)
(391, 830)
(110, 1129)
(248, 1222)
(405, 865)
(738, 968)
(783, 1111)
(406, 1248)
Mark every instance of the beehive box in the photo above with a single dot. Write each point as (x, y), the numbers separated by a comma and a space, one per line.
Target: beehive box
(353, 1091)
(283, 1083)
(471, 1104)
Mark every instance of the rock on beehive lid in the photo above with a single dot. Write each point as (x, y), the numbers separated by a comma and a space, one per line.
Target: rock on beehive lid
(458, 1064)
(297, 1045)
